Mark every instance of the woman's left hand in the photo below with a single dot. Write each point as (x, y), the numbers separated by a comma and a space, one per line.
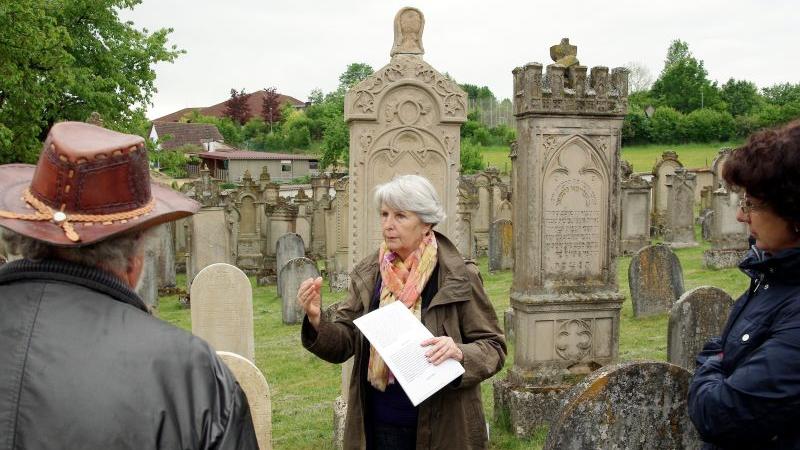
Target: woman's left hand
(442, 349)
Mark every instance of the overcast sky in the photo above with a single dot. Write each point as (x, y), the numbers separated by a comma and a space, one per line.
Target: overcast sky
(300, 45)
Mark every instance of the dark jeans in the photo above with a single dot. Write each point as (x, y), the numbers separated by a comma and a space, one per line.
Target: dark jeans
(387, 437)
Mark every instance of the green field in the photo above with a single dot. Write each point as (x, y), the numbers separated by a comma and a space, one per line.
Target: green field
(642, 157)
(303, 387)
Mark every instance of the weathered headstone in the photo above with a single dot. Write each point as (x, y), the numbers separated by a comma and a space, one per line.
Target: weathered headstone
(256, 389)
(222, 309)
(635, 211)
(728, 236)
(655, 279)
(288, 247)
(664, 167)
(566, 230)
(634, 405)
(501, 245)
(403, 119)
(147, 287)
(209, 241)
(697, 316)
(294, 272)
(679, 228)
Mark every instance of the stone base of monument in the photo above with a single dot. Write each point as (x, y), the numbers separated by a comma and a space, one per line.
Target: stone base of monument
(679, 244)
(527, 407)
(339, 415)
(722, 259)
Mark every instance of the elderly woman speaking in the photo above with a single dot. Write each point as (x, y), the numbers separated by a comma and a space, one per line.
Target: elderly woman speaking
(746, 388)
(421, 268)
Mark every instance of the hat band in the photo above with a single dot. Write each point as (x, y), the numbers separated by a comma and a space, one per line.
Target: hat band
(64, 220)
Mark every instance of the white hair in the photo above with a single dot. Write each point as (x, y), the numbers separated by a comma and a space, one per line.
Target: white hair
(412, 193)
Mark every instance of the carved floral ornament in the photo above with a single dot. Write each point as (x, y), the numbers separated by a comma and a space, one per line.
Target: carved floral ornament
(574, 339)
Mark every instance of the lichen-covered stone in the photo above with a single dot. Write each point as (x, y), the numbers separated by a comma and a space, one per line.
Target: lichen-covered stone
(697, 316)
(634, 405)
(656, 280)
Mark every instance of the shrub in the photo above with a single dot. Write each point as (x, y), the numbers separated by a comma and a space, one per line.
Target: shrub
(707, 125)
(481, 136)
(471, 158)
(667, 125)
(635, 127)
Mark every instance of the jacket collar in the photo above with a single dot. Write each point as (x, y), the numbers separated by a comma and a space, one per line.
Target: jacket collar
(454, 283)
(69, 272)
(783, 265)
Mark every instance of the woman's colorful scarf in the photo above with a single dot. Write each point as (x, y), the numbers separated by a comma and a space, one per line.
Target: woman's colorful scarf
(403, 281)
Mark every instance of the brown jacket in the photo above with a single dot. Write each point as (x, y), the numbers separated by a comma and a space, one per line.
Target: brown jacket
(453, 417)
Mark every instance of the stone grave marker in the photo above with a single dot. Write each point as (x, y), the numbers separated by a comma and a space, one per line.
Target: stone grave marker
(222, 309)
(501, 245)
(256, 389)
(697, 316)
(633, 405)
(291, 275)
(656, 280)
(289, 246)
(147, 287)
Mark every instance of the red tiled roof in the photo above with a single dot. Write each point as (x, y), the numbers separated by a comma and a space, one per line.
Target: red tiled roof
(254, 101)
(186, 134)
(246, 154)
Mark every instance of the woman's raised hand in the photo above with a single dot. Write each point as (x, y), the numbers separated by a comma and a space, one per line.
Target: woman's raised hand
(309, 296)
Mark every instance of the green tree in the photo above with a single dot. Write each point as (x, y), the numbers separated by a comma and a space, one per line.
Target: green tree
(781, 94)
(683, 83)
(354, 73)
(471, 158)
(667, 125)
(230, 130)
(63, 60)
(741, 96)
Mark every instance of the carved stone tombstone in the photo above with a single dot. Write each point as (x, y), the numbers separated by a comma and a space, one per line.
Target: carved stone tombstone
(256, 389)
(635, 213)
(403, 119)
(634, 405)
(147, 288)
(696, 317)
(339, 276)
(656, 280)
(209, 241)
(501, 245)
(165, 254)
(664, 167)
(679, 227)
(728, 236)
(294, 272)
(222, 309)
(250, 204)
(566, 229)
(288, 247)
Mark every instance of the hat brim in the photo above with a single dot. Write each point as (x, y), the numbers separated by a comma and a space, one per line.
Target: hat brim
(15, 178)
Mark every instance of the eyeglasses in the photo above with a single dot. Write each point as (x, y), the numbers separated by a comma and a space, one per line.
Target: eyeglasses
(747, 206)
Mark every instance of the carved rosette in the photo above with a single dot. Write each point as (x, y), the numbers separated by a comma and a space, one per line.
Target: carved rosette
(574, 339)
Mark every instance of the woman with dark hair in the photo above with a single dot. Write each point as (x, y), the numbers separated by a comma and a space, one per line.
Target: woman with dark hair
(746, 388)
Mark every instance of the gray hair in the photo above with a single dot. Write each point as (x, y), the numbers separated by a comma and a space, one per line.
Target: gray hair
(412, 193)
(111, 255)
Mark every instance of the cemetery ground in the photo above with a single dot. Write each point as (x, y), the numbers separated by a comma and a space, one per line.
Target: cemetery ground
(304, 387)
(642, 157)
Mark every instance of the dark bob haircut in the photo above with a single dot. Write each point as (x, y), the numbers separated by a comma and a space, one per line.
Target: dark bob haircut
(767, 167)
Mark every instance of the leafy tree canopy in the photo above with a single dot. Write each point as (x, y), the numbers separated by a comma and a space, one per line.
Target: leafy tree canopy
(782, 94)
(354, 73)
(63, 60)
(741, 96)
(237, 108)
(683, 83)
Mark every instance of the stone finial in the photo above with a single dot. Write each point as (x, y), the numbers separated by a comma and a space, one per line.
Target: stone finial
(408, 26)
(264, 174)
(564, 54)
(626, 169)
(247, 175)
(95, 119)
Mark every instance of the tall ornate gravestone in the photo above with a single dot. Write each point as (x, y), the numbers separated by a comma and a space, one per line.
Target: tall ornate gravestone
(256, 389)
(222, 309)
(664, 167)
(633, 405)
(501, 245)
(566, 225)
(403, 119)
(250, 204)
(340, 275)
(635, 213)
(655, 278)
(696, 317)
(679, 228)
(716, 166)
(728, 236)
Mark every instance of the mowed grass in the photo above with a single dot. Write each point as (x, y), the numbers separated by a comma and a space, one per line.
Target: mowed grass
(642, 157)
(304, 387)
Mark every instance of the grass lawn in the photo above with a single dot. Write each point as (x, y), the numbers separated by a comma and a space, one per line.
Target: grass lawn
(643, 157)
(303, 387)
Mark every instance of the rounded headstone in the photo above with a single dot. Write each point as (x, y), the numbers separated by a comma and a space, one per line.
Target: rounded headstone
(633, 405)
(655, 279)
(291, 275)
(256, 389)
(697, 316)
(288, 246)
(222, 309)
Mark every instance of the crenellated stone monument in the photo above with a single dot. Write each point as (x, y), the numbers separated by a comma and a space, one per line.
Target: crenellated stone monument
(566, 229)
(403, 119)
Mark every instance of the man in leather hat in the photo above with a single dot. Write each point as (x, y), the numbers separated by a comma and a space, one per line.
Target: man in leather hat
(82, 362)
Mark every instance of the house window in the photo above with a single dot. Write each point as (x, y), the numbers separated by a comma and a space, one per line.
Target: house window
(286, 166)
(312, 165)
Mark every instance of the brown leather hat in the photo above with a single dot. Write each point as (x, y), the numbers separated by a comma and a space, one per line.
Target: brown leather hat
(90, 184)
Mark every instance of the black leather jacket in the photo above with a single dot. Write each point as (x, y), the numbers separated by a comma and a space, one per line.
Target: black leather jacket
(83, 365)
(745, 393)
